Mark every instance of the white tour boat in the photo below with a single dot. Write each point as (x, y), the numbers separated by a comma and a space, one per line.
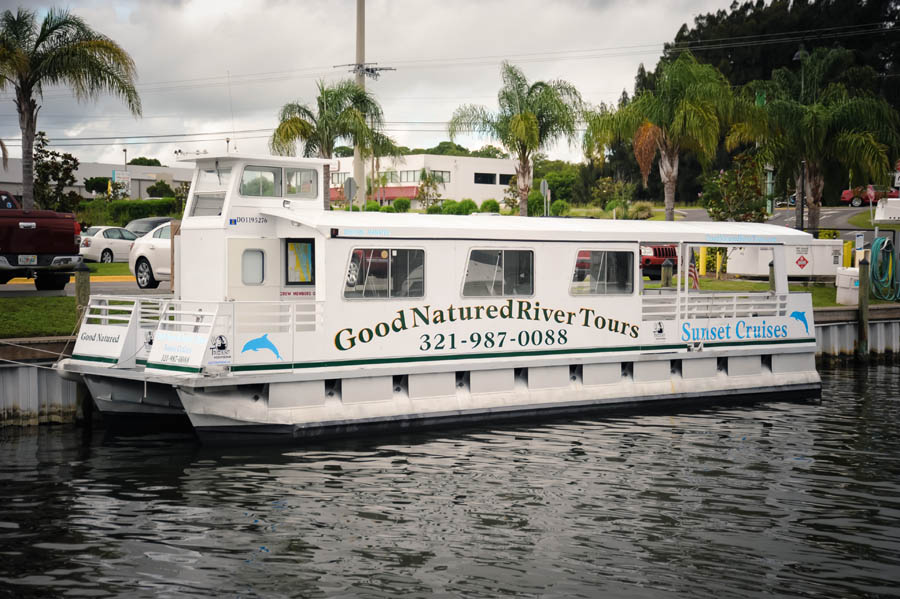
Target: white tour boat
(289, 319)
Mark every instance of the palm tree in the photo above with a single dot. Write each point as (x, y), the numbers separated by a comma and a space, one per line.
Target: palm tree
(686, 112)
(812, 117)
(343, 111)
(530, 117)
(63, 50)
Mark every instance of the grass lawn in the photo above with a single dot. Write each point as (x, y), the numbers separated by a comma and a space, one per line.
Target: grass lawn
(823, 295)
(863, 221)
(37, 316)
(115, 268)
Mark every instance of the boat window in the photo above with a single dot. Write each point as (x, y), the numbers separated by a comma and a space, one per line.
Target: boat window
(209, 192)
(499, 272)
(301, 263)
(252, 267)
(385, 272)
(261, 181)
(301, 182)
(603, 273)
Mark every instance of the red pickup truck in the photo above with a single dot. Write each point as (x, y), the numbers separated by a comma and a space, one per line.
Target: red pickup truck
(37, 243)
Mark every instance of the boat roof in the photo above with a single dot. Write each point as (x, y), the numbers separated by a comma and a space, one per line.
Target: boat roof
(510, 228)
(261, 159)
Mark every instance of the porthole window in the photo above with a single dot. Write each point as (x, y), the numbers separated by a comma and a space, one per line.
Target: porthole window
(253, 269)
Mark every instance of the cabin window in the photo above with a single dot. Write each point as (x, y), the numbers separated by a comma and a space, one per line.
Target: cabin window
(209, 192)
(385, 272)
(253, 267)
(261, 181)
(300, 265)
(301, 182)
(499, 272)
(603, 273)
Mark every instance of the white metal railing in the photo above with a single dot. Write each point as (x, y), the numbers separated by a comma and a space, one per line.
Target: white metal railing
(694, 305)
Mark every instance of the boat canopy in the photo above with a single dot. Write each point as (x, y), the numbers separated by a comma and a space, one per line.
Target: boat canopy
(510, 228)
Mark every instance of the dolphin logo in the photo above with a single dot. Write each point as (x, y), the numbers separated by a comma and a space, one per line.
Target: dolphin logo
(261, 343)
(801, 316)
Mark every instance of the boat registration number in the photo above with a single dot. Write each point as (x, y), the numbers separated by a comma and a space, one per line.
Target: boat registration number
(27, 259)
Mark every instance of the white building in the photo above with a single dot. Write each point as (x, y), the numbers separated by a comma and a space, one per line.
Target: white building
(141, 177)
(464, 177)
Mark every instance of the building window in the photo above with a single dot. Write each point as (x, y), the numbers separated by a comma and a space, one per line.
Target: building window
(300, 262)
(603, 273)
(499, 273)
(383, 272)
(261, 181)
(505, 179)
(389, 176)
(409, 176)
(338, 178)
(301, 182)
(252, 267)
(485, 178)
(441, 176)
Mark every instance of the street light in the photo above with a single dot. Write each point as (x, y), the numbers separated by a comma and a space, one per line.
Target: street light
(125, 152)
(800, 56)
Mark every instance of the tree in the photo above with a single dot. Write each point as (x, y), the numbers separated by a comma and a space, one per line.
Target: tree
(736, 194)
(62, 50)
(144, 161)
(160, 189)
(807, 117)
(687, 112)
(531, 117)
(343, 151)
(96, 184)
(53, 172)
(427, 193)
(343, 111)
(490, 151)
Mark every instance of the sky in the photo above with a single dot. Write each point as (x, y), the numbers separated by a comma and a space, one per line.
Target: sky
(215, 69)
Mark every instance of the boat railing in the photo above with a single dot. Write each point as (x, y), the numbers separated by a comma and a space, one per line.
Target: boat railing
(694, 305)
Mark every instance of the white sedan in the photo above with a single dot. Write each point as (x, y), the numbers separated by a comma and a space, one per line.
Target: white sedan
(150, 259)
(106, 244)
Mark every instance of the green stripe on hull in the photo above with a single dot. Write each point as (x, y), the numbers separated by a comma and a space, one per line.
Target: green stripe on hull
(85, 358)
(156, 366)
(514, 354)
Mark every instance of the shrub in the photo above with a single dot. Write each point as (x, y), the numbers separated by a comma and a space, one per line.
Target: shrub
(120, 212)
(490, 206)
(829, 234)
(467, 206)
(387, 209)
(640, 210)
(351, 208)
(535, 203)
(372, 206)
(449, 207)
(559, 208)
(401, 205)
(434, 209)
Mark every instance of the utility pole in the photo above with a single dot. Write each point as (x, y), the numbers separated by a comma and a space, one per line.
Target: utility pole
(359, 172)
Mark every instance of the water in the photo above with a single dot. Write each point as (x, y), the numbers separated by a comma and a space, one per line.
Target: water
(774, 500)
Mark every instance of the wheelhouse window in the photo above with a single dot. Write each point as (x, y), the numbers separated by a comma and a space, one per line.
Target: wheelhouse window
(385, 273)
(603, 273)
(301, 182)
(261, 181)
(253, 267)
(209, 191)
(300, 262)
(499, 273)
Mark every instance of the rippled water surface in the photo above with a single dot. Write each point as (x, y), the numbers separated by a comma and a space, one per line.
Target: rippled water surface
(774, 500)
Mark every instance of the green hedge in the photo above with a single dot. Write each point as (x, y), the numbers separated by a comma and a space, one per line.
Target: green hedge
(121, 212)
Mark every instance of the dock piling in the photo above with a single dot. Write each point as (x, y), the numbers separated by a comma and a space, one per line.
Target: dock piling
(862, 341)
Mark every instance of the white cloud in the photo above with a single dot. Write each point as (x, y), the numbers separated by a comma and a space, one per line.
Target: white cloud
(446, 54)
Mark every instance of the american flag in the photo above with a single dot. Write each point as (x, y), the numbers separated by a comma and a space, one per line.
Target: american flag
(692, 273)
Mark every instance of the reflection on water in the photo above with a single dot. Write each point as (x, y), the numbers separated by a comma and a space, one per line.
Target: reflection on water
(779, 499)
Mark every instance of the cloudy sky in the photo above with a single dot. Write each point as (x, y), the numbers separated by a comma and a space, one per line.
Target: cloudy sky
(211, 69)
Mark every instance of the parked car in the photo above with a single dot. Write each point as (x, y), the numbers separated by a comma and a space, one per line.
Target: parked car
(37, 243)
(870, 194)
(142, 226)
(150, 259)
(106, 244)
